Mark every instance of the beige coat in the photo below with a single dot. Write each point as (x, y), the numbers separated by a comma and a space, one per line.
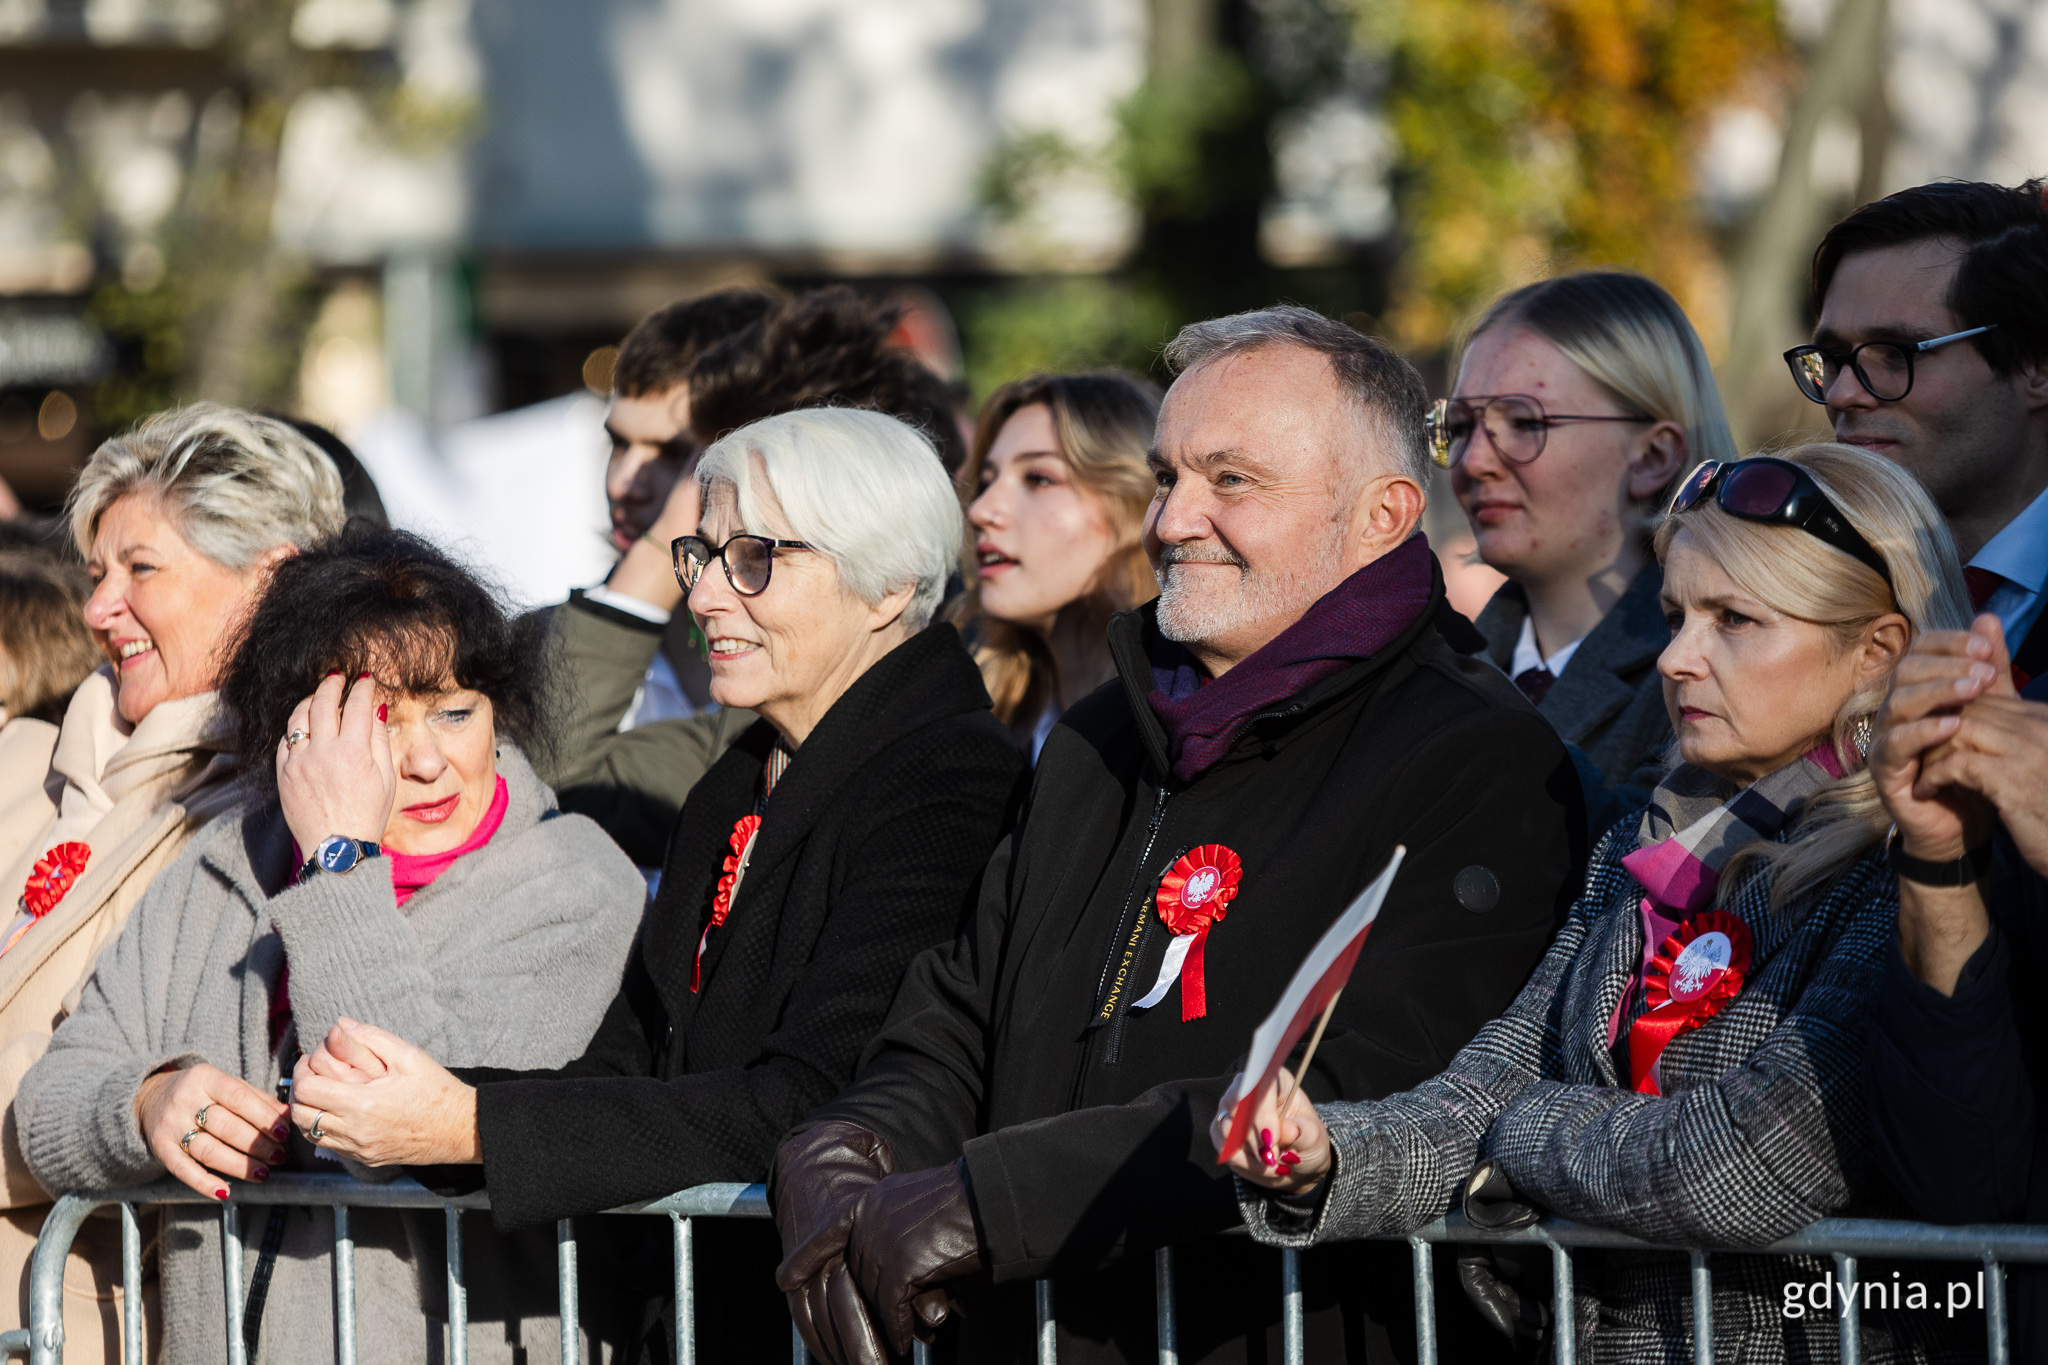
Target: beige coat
(135, 798)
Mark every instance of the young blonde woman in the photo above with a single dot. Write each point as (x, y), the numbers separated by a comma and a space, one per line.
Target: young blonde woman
(1061, 487)
(1684, 1065)
(1579, 402)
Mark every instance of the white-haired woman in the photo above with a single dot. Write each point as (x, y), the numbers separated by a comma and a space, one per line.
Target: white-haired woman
(1579, 402)
(1684, 1066)
(180, 523)
(843, 833)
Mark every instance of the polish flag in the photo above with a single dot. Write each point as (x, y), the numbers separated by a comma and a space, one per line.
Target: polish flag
(1315, 985)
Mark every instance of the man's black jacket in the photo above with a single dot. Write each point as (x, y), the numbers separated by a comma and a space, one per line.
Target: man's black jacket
(1084, 1123)
(1955, 1082)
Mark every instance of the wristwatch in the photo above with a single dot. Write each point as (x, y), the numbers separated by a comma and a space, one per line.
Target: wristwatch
(338, 853)
(1973, 866)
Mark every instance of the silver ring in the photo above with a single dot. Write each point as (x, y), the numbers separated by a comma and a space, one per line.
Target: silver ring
(199, 1119)
(185, 1142)
(294, 739)
(314, 1134)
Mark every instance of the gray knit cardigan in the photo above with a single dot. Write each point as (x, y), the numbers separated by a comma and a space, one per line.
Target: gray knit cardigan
(1761, 1128)
(509, 958)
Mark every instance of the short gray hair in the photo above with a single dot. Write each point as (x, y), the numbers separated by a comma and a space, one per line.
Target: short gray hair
(864, 489)
(1389, 398)
(235, 483)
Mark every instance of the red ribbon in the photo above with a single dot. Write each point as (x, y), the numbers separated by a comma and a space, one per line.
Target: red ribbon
(1686, 985)
(1193, 895)
(743, 831)
(55, 873)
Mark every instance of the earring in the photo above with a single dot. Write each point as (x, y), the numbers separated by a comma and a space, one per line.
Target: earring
(1859, 734)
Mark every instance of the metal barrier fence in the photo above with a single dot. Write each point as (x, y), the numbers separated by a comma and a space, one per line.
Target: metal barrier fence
(1845, 1239)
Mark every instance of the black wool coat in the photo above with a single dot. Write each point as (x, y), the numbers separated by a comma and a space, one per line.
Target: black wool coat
(869, 852)
(1085, 1124)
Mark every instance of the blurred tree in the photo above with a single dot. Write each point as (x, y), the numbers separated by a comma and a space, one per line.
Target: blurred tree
(1544, 135)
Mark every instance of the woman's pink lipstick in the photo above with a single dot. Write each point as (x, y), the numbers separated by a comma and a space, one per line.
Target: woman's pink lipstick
(434, 812)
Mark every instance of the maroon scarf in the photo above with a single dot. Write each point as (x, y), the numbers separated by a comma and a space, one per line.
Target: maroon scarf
(1353, 621)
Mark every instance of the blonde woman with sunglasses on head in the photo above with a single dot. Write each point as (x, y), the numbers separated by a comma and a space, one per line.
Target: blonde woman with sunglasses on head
(1579, 402)
(1685, 1064)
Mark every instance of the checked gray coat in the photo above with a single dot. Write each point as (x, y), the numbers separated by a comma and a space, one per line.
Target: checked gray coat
(1761, 1129)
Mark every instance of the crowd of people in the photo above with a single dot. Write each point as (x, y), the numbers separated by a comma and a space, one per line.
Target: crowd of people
(927, 807)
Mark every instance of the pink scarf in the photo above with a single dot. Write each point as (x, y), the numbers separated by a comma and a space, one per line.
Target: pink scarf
(411, 872)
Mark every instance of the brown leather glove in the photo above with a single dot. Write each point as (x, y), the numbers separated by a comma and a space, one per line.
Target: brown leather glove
(911, 1234)
(813, 1184)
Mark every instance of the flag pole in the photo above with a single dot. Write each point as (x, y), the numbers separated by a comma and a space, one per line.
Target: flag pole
(1310, 1055)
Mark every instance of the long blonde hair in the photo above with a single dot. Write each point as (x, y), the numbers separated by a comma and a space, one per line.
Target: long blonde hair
(1804, 577)
(1103, 420)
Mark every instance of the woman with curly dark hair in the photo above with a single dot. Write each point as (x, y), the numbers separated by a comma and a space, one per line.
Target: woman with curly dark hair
(399, 862)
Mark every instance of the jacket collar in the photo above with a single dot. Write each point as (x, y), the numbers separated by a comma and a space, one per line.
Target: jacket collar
(1131, 632)
(1605, 670)
(927, 678)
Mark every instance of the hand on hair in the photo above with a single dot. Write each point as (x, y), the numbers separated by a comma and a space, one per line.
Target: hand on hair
(338, 778)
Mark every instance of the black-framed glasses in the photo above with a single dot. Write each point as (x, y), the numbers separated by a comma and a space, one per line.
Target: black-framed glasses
(1515, 423)
(1883, 368)
(1779, 493)
(749, 560)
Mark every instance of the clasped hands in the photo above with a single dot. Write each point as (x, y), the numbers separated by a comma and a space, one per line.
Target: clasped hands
(369, 1095)
(869, 1252)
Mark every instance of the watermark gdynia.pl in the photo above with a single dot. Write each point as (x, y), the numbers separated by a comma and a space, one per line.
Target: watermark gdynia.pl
(1828, 1294)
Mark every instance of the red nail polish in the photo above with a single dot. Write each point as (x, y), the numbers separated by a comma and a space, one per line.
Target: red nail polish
(382, 710)
(1265, 1137)
(221, 1195)
(361, 676)
(333, 672)
(280, 1130)
(259, 1173)
(1289, 1159)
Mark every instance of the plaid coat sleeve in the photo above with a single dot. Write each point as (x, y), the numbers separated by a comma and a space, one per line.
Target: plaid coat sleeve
(1761, 1131)
(1401, 1160)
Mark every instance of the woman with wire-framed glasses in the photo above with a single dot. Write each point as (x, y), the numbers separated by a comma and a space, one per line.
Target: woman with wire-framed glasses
(842, 834)
(1578, 403)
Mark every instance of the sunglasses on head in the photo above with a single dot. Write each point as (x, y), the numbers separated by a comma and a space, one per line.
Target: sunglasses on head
(1778, 493)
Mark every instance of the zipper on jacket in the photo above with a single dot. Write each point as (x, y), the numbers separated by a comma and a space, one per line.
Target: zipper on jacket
(1106, 998)
(1141, 934)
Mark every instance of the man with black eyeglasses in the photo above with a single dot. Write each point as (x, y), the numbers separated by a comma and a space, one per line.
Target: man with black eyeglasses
(1932, 350)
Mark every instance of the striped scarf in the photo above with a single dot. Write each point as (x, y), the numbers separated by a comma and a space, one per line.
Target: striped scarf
(1697, 821)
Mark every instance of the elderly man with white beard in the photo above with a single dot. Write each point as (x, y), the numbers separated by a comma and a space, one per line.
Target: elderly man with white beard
(1286, 713)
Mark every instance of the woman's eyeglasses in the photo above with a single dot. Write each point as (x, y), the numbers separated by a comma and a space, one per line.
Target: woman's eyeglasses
(1779, 493)
(749, 560)
(1515, 423)
(1883, 368)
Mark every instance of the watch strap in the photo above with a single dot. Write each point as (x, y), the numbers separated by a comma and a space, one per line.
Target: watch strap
(1972, 867)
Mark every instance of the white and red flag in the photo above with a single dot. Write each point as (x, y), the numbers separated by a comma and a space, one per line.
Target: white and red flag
(1316, 982)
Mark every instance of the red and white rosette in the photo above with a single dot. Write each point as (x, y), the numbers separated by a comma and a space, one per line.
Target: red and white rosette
(742, 843)
(1193, 895)
(54, 874)
(1693, 976)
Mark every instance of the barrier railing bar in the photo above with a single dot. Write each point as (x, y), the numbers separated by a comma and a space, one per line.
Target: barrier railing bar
(131, 1287)
(1162, 1293)
(565, 1288)
(1292, 1350)
(14, 1342)
(684, 1233)
(1998, 1347)
(1424, 1274)
(798, 1354)
(1561, 1305)
(1852, 1311)
(920, 1354)
(344, 1287)
(1702, 1310)
(458, 1291)
(231, 1271)
(1844, 1239)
